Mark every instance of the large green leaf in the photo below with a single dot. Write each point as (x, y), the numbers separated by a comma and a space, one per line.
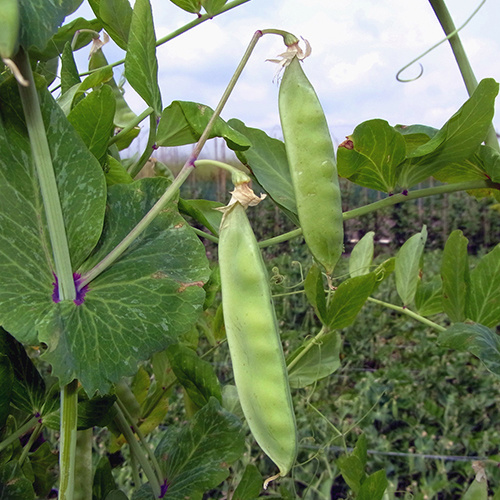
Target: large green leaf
(6, 380)
(319, 362)
(349, 298)
(116, 16)
(183, 122)
(138, 306)
(457, 140)
(483, 305)
(373, 487)
(196, 458)
(141, 65)
(250, 484)
(192, 6)
(13, 483)
(69, 71)
(479, 340)
(409, 265)
(41, 18)
(93, 118)
(266, 158)
(429, 297)
(26, 265)
(196, 375)
(371, 156)
(455, 276)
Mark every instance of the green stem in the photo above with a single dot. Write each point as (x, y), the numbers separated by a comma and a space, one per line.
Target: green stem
(83, 480)
(142, 439)
(46, 178)
(470, 80)
(124, 131)
(389, 201)
(309, 345)
(146, 155)
(178, 181)
(183, 29)
(67, 445)
(408, 312)
(237, 175)
(29, 444)
(208, 236)
(136, 450)
(32, 422)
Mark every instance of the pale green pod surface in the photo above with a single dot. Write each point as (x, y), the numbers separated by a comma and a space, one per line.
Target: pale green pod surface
(259, 367)
(312, 164)
(9, 27)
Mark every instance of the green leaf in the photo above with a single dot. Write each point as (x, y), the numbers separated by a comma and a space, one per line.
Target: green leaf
(6, 381)
(250, 484)
(315, 292)
(362, 255)
(377, 150)
(384, 270)
(408, 266)
(483, 305)
(116, 495)
(348, 300)
(457, 140)
(478, 490)
(41, 18)
(455, 276)
(266, 158)
(491, 162)
(43, 461)
(319, 362)
(138, 306)
(116, 16)
(69, 71)
(195, 465)
(203, 211)
(192, 6)
(26, 265)
(361, 449)
(141, 65)
(104, 482)
(479, 340)
(13, 484)
(213, 6)
(429, 297)
(183, 122)
(116, 173)
(28, 387)
(92, 118)
(470, 169)
(352, 470)
(373, 487)
(194, 374)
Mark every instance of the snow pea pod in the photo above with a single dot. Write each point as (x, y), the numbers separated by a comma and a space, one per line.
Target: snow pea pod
(312, 166)
(9, 27)
(256, 352)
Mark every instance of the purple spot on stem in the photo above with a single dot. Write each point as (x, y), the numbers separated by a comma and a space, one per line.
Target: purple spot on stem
(163, 489)
(405, 192)
(81, 291)
(155, 147)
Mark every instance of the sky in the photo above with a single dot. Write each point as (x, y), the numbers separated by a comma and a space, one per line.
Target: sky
(358, 46)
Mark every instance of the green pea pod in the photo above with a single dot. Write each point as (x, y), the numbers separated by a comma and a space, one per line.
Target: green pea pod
(256, 352)
(9, 27)
(312, 166)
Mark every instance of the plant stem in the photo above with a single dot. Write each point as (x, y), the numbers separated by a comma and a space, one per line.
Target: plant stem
(29, 444)
(130, 126)
(67, 445)
(408, 312)
(309, 345)
(137, 167)
(207, 236)
(470, 80)
(46, 178)
(392, 200)
(142, 438)
(32, 422)
(178, 181)
(136, 450)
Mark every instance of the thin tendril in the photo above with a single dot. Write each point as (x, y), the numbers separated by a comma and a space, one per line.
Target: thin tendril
(452, 34)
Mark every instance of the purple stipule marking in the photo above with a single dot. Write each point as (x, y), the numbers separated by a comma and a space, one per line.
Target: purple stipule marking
(163, 489)
(81, 291)
(405, 192)
(155, 147)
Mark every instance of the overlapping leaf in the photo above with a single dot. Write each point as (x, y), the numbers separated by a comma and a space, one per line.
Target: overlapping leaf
(138, 306)
(26, 265)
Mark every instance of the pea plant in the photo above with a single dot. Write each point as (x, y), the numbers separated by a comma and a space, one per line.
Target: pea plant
(110, 308)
